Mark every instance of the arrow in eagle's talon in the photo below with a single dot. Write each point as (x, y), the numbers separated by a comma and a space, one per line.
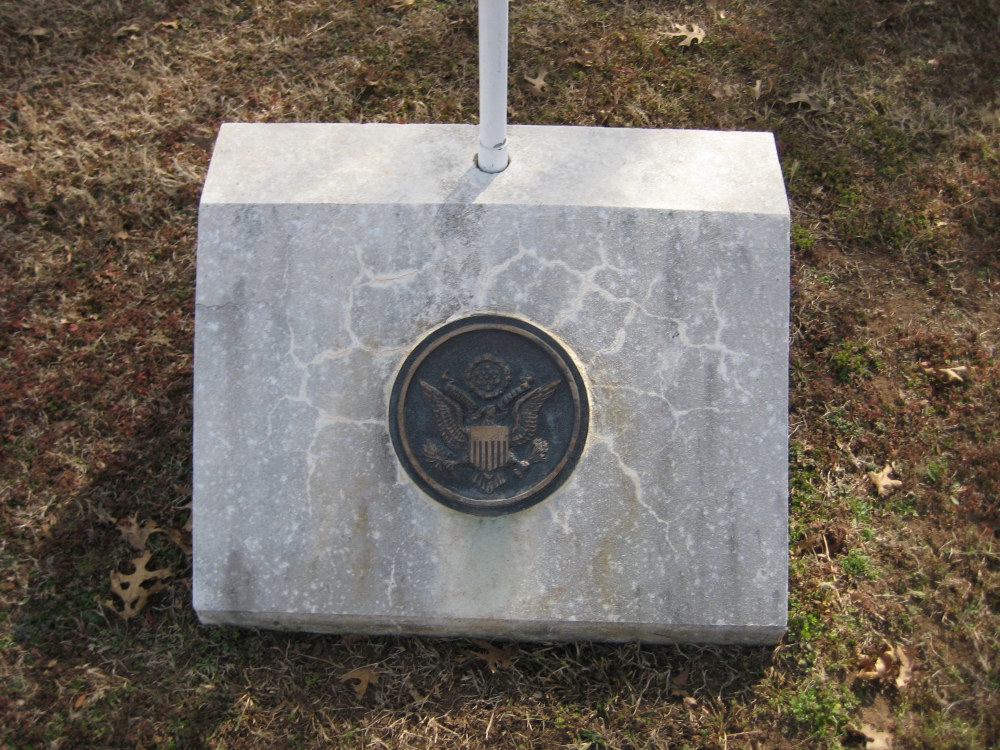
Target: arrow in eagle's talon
(520, 467)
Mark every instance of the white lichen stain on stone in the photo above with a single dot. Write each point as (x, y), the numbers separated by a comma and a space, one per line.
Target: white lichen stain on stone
(560, 517)
(391, 585)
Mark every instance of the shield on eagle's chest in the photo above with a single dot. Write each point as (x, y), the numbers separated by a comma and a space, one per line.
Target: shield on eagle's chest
(488, 447)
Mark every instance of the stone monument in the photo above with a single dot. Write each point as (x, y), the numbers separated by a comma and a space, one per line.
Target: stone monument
(522, 383)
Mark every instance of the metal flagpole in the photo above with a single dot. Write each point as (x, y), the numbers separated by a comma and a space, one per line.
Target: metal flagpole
(493, 155)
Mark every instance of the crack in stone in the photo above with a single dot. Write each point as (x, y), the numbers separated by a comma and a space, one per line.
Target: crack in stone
(390, 280)
(715, 345)
(486, 282)
(676, 414)
(636, 480)
(587, 283)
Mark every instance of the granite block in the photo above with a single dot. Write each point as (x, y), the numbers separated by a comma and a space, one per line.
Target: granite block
(327, 252)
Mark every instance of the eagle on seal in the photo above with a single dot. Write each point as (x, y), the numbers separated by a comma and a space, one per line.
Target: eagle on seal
(487, 445)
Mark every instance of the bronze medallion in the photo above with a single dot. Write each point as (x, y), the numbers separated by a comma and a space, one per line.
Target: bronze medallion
(489, 415)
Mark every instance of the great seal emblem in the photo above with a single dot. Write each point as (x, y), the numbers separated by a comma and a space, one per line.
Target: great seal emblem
(489, 415)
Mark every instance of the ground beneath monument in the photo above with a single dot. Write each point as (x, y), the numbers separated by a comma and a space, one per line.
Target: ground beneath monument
(888, 126)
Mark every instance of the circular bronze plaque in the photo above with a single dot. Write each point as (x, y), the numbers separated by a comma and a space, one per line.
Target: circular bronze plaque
(489, 415)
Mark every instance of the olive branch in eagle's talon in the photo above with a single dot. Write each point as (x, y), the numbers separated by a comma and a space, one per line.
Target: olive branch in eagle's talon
(539, 450)
(438, 457)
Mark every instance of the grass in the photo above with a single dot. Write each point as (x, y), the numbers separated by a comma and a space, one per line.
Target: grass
(887, 119)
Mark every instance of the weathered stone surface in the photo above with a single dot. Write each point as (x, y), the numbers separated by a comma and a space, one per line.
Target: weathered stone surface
(326, 252)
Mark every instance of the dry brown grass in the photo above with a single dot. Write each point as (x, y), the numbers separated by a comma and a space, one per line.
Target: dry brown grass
(888, 123)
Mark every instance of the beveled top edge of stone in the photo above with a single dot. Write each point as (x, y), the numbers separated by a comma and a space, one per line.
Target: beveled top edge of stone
(378, 163)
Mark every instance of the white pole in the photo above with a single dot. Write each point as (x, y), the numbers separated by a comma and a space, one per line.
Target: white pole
(492, 155)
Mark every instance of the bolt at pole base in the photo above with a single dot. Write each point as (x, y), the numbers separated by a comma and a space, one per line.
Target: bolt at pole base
(492, 156)
(494, 159)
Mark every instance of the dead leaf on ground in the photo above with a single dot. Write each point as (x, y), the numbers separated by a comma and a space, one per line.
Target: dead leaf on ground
(205, 144)
(907, 660)
(681, 679)
(875, 669)
(758, 88)
(37, 33)
(137, 534)
(586, 58)
(901, 659)
(815, 104)
(874, 739)
(126, 31)
(494, 655)
(129, 587)
(957, 374)
(101, 513)
(724, 91)
(690, 702)
(367, 76)
(691, 32)
(538, 83)
(363, 676)
(883, 483)
(80, 700)
(171, 24)
(181, 538)
(678, 683)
